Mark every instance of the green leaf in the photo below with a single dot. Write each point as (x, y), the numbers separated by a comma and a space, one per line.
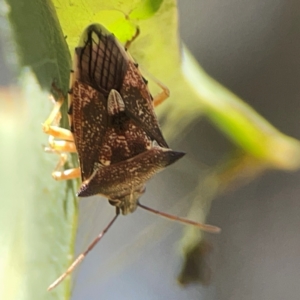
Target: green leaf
(40, 42)
(38, 215)
(145, 9)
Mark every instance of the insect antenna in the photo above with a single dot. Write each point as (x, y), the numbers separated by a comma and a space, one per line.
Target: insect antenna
(81, 257)
(204, 227)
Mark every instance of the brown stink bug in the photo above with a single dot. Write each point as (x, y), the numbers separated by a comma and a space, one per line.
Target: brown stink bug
(113, 128)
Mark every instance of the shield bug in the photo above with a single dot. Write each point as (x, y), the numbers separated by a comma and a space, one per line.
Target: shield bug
(113, 128)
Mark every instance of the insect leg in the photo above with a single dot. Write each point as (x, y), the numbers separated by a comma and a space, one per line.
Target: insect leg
(66, 143)
(128, 43)
(58, 132)
(51, 127)
(158, 99)
(54, 116)
(163, 95)
(66, 174)
(61, 147)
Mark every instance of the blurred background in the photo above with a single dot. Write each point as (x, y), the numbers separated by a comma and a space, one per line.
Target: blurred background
(251, 47)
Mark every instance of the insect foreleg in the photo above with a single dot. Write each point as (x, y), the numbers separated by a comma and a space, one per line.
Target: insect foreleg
(51, 125)
(60, 146)
(58, 132)
(163, 95)
(65, 144)
(66, 174)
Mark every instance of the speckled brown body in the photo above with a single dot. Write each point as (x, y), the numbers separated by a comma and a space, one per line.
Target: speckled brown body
(116, 132)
